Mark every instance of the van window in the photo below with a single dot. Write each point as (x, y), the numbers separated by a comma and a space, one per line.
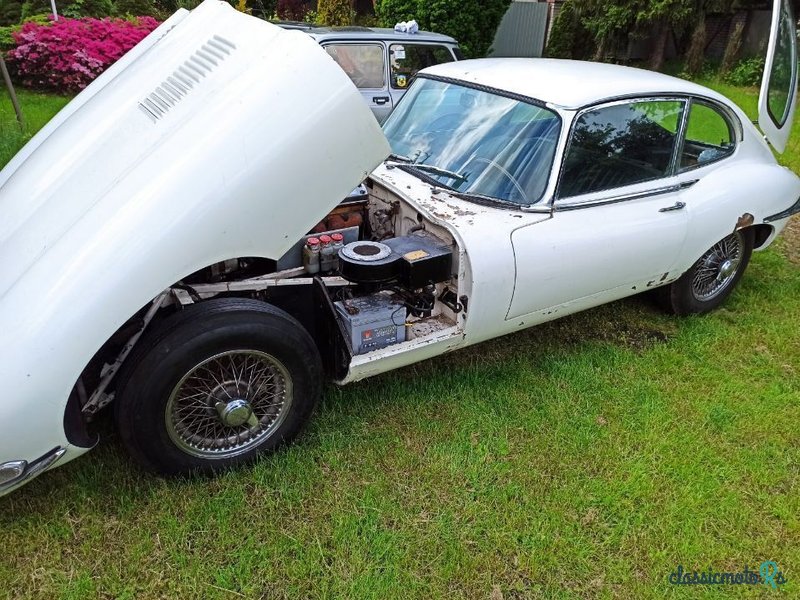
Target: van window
(363, 63)
(407, 59)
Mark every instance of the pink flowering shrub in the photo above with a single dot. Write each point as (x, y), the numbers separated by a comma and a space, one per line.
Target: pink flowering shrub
(66, 55)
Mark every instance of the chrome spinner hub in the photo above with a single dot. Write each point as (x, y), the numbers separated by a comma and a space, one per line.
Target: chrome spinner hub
(726, 269)
(234, 413)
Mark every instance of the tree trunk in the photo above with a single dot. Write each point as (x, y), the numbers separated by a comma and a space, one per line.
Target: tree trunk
(696, 56)
(600, 53)
(660, 47)
(733, 48)
(11, 93)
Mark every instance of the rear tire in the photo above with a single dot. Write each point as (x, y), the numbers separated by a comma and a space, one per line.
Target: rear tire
(709, 282)
(215, 385)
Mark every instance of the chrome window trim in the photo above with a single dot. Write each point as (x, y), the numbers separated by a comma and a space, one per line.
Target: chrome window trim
(731, 118)
(618, 102)
(659, 191)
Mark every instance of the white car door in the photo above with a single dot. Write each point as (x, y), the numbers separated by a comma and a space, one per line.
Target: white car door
(620, 218)
(777, 101)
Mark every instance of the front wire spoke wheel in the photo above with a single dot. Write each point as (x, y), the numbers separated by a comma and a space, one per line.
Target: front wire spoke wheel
(228, 404)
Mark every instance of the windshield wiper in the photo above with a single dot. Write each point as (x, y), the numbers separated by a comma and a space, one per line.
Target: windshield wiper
(485, 200)
(437, 171)
(400, 160)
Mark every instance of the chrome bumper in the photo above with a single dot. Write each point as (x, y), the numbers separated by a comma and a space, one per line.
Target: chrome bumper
(15, 473)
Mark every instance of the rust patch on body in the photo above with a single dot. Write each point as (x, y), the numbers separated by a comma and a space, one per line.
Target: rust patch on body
(744, 221)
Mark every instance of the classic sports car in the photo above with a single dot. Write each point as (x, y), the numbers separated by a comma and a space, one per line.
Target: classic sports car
(175, 241)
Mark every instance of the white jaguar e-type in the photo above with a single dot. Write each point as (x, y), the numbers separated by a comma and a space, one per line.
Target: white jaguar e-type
(175, 241)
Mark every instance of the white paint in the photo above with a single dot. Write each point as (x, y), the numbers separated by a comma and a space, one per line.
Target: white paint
(104, 209)
(566, 83)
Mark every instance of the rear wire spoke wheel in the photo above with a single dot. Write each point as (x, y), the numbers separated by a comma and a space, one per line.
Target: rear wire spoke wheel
(216, 384)
(710, 280)
(717, 268)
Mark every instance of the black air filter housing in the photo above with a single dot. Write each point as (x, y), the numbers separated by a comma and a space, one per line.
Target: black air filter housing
(425, 259)
(369, 262)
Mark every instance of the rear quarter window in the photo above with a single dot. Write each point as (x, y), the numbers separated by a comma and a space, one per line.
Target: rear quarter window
(709, 137)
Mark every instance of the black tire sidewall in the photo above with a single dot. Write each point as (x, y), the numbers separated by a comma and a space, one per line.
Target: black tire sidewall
(201, 334)
(681, 295)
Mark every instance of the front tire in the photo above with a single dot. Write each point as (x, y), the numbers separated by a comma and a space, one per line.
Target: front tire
(709, 282)
(216, 385)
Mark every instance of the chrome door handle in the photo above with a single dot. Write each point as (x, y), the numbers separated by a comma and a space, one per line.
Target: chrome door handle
(676, 206)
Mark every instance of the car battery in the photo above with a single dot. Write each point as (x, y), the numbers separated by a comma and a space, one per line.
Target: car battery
(372, 322)
(425, 259)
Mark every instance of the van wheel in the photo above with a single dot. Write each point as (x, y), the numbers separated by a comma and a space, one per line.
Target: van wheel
(215, 385)
(709, 282)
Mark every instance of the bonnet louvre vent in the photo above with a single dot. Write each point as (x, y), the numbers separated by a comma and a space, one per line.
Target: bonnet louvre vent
(183, 79)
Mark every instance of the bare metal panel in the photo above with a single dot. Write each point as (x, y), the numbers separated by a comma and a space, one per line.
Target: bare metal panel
(522, 31)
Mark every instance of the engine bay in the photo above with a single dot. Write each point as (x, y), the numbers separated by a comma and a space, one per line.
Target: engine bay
(391, 275)
(401, 270)
(374, 278)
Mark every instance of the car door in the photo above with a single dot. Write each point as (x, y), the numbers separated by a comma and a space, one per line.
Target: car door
(407, 58)
(620, 218)
(366, 65)
(777, 101)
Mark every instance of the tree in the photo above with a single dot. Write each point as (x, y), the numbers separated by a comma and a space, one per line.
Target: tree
(335, 12)
(568, 36)
(472, 22)
(291, 10)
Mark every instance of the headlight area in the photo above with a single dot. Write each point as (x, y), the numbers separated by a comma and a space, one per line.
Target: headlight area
(15, 473)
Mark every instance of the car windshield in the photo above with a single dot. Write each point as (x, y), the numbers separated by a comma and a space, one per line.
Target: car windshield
(477, 143)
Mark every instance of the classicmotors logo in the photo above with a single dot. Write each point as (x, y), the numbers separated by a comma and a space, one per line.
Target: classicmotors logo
(767, 574)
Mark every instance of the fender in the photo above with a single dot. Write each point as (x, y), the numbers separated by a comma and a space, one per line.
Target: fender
(186, 154)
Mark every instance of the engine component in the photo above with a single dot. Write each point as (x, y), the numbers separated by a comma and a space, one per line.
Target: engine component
(372, 322)
(311, 255)
(327, 255)
(221, 269)
(383, 223)
(369, 262)
(422, 303)
(294, 256)
(425, 259)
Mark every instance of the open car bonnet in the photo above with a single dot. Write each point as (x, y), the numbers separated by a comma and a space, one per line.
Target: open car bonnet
(219, 135)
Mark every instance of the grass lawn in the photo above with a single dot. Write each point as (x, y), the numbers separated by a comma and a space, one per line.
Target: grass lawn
(586, 458)
(37, 110)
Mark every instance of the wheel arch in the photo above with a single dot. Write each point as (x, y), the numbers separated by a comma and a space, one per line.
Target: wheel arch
(763, 234)
(308, 305)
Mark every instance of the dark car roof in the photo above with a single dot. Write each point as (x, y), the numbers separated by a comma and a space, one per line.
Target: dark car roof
(322, 34)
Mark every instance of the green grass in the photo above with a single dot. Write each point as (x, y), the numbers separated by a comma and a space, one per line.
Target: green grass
(585, 458)
(37, 110)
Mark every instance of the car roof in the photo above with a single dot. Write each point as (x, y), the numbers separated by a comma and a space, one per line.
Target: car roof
(364, 33)
(567, 83)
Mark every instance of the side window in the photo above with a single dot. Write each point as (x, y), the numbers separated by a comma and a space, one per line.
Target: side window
(407, 59)
(708, 137)
(620, 145)
(782, 77)
(363, 63)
